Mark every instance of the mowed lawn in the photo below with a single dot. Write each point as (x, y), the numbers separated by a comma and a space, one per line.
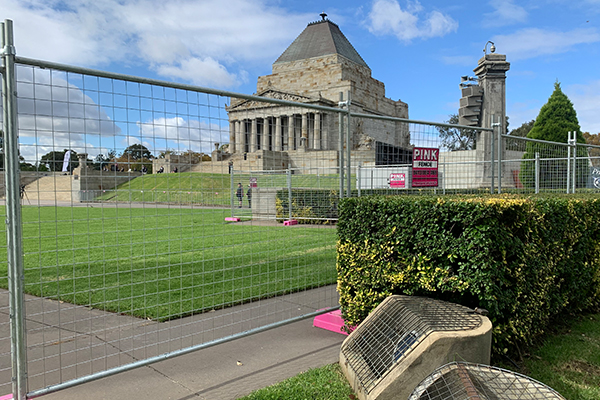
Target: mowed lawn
(164, 263)
(206, 188)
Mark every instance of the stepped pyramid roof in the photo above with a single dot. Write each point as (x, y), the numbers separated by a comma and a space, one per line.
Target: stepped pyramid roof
(321, 38)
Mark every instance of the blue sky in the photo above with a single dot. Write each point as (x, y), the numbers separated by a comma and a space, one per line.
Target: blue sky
(418, 50)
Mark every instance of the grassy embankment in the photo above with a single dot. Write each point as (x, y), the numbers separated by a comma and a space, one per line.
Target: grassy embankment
(204, 188)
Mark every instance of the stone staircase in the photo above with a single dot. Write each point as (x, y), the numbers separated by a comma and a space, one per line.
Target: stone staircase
(51, 187)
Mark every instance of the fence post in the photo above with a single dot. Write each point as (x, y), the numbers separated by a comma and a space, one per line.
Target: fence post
(500, 158)
(537, 172)
(341, 146)
(492, 139)
(444, 180)
(348, 148)
(574, 172)
(14, 234)
(569, 162)
(358, 181)
(231, 193)
(289, 187)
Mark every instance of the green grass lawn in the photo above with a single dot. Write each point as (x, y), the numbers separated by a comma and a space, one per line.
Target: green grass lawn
(205, 188)
(166, 263)
(326, 383)
(569, 359)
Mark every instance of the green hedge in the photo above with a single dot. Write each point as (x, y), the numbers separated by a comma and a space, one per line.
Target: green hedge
(526, 260)
(309, 206)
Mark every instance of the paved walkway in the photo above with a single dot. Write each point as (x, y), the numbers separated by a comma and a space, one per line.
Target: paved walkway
(225, 371)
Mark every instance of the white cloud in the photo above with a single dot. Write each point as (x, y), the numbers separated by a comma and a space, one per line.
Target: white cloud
(534, 42)
(54, 114)
(506, 13)
(388, 18)
(586, 100)
(167, 35)
(207, 72)
(178, 134)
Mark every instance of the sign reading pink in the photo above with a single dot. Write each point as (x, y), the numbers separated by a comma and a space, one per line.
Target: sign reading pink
(398, 181)
(425, 167)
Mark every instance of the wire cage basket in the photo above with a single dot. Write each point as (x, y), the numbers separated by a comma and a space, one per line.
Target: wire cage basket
(467, 381)
(397, 327)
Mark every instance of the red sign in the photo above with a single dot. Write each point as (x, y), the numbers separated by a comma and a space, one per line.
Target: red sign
(425, 167)
(253, 182)
(398, 181)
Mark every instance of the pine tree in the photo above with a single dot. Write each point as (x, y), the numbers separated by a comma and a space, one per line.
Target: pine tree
(556, 118)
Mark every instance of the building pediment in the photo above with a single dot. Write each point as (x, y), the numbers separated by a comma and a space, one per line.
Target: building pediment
(244, 104)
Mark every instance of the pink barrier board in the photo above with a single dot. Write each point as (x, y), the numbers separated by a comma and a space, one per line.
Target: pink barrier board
(290, 222)
(331, 321)
(6, 397)
(233, 219)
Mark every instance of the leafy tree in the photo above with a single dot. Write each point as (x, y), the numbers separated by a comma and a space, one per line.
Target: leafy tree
(521, 131)
(593, 151)
(101, 161)
(54, 160)
(455, 139)
(137, 152)
(556, 118)
(191, 157)
(135, 158)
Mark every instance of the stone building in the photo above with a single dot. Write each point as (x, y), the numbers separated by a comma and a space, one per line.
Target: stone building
(319, 65)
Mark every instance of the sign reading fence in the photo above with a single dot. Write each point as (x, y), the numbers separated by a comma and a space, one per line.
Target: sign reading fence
(425, 167)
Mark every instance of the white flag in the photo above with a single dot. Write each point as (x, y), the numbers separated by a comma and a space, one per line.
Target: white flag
(66, 161)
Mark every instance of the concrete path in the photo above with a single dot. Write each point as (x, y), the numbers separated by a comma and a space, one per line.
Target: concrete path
(225, 371)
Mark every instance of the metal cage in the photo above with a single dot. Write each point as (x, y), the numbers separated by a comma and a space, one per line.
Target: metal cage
(466, 381)
(395, 329)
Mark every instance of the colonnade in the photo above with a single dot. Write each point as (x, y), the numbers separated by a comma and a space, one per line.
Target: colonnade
(279, 133)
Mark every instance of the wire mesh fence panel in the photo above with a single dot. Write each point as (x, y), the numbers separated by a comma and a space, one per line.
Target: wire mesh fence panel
(536, 166)
(129, 256)
(5, 347)
(409, 157)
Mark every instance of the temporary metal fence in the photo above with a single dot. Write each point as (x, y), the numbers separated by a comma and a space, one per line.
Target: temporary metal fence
(127, 241)
(119, 249)
(534, 166)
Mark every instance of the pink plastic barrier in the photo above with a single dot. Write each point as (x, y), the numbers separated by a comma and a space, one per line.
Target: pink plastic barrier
(332, 321)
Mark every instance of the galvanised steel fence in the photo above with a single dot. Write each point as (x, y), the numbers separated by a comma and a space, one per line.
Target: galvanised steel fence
(534, 166)
(148, 219)
(119, 241)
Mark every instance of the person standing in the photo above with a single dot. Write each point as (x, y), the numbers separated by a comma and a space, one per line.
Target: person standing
(240, 193)
(249, 195)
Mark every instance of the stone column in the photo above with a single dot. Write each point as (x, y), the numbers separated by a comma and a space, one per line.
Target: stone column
(238, 137)
(291, 132)
(265, 134)
(324, 133)
(304, 138)
(254, 136)
(491, 71)
(232, 125)
(317, 132)
(277, 141)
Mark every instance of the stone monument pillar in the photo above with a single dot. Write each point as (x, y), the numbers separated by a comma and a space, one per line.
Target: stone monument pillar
(491, 71)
